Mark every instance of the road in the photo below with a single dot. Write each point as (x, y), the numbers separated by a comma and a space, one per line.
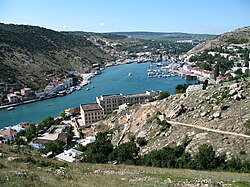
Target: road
(208, 129)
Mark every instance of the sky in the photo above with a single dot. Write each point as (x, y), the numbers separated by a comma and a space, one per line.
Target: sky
(189, 16)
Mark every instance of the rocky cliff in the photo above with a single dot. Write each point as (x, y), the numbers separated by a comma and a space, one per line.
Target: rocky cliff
(216, 116)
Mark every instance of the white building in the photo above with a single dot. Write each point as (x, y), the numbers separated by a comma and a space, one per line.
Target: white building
(91, 113)
(69, 155)
(12, 98)
(25, 91)
(113, 101)
(87, 140)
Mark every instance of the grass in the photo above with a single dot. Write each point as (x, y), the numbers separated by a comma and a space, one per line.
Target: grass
(18, 173)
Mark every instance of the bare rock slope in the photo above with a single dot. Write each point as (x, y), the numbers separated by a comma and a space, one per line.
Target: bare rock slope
(214, 116)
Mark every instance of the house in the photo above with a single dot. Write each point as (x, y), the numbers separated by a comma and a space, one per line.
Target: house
(91, 113)
(25, 91)
(12, 98)
(69, 155)
(87, 140)
(8, 134)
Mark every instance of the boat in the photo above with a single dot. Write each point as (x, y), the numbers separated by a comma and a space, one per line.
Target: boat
(93, 86)
(50, 104)
(97, 72)
(10, 108)
(130, 74)
(87, 89)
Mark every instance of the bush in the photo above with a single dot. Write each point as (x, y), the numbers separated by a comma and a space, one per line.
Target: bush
(141, 141)
(164, 125)
(125, 152)
(163, 94)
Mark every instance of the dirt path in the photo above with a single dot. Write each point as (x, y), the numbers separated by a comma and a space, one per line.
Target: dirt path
(208, 129)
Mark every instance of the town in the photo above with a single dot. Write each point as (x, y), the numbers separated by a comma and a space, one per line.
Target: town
(71, 128)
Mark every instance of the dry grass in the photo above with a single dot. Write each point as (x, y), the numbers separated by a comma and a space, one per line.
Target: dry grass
(83, 174)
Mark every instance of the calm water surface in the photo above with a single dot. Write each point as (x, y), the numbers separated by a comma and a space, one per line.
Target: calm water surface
(112, 80)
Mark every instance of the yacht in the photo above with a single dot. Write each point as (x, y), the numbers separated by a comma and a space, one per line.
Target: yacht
(11, 108)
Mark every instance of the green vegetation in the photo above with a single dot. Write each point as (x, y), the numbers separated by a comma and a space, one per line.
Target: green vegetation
(34, 130)
(126, 153)
(247, 125)
(98, 152)
(167, 36)
(164, 125)
(55, 147)
(181, 88)
(141, 141)
(163, 95)
(32, 170)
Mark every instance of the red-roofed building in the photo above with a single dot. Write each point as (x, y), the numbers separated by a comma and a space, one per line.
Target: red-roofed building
(221, 78)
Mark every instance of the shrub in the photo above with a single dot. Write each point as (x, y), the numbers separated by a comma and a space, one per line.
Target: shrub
(141, 141)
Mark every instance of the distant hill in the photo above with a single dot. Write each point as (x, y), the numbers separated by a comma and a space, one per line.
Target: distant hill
(238, 36)
(172, 36)
(29, 53)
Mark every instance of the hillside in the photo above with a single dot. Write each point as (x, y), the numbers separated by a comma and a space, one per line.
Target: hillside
(167, 36)
(217, 116)
(28, 54)
(21, 166)
(238, 36)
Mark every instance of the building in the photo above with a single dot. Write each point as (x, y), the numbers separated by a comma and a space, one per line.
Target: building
(12, 98)
(8, 134)
(91, 113)
(112, 102)
(87, 140)
(25, 91)
(69, 155)
(106, 104)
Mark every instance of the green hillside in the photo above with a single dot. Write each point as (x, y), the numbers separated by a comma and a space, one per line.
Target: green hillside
(167, 36)
(21, 166)
(29, 53)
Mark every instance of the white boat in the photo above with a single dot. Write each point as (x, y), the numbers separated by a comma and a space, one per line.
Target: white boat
(130, 74)
(87, 89)
(10, 108)
(93, 86)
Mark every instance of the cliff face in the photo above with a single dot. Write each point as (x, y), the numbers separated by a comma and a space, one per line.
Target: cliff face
(215, 116)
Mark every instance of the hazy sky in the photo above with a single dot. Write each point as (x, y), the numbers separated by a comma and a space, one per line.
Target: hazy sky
(192, 16)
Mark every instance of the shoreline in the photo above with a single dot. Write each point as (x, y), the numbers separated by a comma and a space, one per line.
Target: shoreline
(86, 80)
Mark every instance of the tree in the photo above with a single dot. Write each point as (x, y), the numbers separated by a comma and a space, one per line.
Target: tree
(163, 95)
(238, 71)
(205, 158)
(246, 57)
(216, 70)
(125, 152)
(98, 151)
(56, 147)
(181, 88)
(63, 115)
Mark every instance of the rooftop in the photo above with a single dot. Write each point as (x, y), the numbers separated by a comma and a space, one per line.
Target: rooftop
(91, 106)
(69, 155)
(8, 132)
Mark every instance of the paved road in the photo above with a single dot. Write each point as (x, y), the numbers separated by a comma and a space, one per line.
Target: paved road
(208, 129)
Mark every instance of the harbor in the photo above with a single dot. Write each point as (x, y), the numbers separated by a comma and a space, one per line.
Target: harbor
(112, 80)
